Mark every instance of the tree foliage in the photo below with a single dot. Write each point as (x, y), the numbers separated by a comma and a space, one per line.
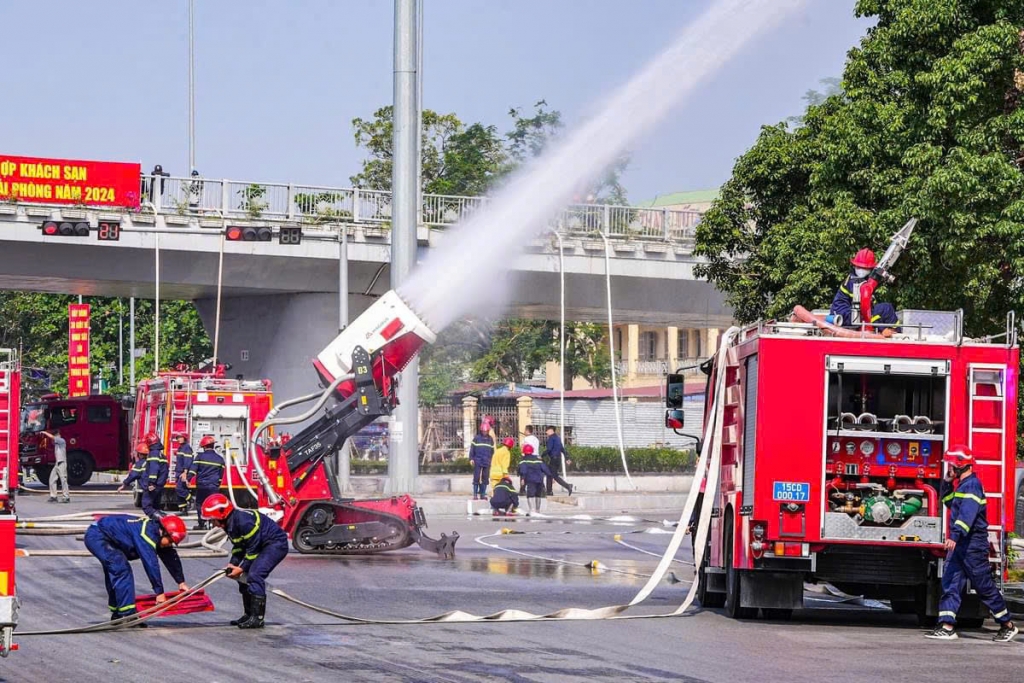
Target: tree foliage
(37, 324)
(928, 124)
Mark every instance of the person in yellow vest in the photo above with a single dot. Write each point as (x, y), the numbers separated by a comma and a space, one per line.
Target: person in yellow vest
(501, 460)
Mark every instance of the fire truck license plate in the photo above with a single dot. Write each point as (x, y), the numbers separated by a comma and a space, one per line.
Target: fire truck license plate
(799, 492)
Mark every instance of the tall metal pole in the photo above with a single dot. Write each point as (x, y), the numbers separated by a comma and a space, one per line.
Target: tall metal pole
(220, 287)
(131, 342)
(156, 305)
(191, 87)
(345, 454)
(120, 341)
(403, 460)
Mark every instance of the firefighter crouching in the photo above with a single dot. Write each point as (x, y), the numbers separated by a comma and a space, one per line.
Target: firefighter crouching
(208, 470)
(118, 539)
(967, 547)
(182, 464)
(504, 498)
(845, 309)
(259, 546)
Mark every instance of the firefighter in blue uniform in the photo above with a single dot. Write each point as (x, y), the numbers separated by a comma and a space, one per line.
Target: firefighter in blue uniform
(118, 539)
(967, 545)
(480, 453)
(208, 470)
(259, 545)
(155, 477)
(847, 299)
(533, 470)
(504, 498)
(137, 469)
(182, 464)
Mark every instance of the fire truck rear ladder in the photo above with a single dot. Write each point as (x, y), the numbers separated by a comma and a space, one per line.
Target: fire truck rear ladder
(990, 376)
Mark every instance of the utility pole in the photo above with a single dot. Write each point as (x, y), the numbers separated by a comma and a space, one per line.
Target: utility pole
(191, 86)
(403, 458)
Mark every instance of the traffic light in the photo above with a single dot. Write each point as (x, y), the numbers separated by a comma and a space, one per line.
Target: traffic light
(235, 233)
(291, 236)
(64, 229)
(108, 231)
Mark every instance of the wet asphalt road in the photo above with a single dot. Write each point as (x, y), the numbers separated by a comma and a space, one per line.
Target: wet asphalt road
(832, 640)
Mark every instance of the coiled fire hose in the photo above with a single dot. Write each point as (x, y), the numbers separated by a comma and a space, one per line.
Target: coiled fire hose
(708, 462)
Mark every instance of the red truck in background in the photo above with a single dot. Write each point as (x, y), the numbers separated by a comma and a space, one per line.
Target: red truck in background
(96, 429)
(831, 458)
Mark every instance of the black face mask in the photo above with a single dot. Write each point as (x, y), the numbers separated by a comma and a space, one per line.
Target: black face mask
(959, 471)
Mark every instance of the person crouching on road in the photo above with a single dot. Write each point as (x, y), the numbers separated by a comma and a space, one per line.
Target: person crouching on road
(501, 461)
(533, 470)
(259, 546)
(182, 463)
(208, 470)
(504, 498)
(480, 453)
(967, 547)
(118, 539)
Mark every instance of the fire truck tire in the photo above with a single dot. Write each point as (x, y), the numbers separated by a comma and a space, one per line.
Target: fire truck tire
(138, 499)
(733, 608)
(777, 613)
(970, 622)
(80, 467)
(708, 599)
(43, 473)
(1019, 517)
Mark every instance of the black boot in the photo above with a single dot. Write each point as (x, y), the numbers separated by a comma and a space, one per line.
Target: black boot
(247, 604)
(259, 610)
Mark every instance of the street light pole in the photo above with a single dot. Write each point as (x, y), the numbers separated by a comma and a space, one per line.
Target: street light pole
(191, 87)
(403, 460)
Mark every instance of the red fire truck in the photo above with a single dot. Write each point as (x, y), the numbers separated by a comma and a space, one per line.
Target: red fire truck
(10, 389)
(831, 458)
(94, 427)
(200, 404)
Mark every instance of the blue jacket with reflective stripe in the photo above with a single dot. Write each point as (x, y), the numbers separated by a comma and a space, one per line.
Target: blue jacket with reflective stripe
(482, 450)
(967, 508)
(533, 470)
(250, 532)
(136, 472)
(184, 459)
(156, 466)
(208, 469)
(139, 539)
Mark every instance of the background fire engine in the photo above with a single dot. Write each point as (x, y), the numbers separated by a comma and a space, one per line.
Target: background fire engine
(831, 454)
(10, 388)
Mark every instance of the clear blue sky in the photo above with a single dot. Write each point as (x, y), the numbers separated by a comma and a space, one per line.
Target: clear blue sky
(278, 81)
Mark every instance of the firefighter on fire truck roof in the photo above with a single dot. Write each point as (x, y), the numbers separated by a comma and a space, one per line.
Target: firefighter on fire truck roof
(208, 470)
(117, 539)
(967, 545)
(259, 545)
(845, 310)
(182, 463)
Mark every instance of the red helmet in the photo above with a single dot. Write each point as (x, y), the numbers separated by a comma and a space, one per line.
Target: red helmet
(152, 438)
(527, 449)
(486, 424)
(217, 506)
(177, 437)
(207, 441)
(959, 456)
(141, 449)
(865, 258)
(174, 527)
(509, 442)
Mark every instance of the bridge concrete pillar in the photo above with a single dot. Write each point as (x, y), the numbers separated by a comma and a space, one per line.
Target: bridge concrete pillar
(693, 340)
(277, 336)
(632, 351)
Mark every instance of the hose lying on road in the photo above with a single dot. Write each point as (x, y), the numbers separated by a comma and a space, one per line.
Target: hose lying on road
(126, 622)
(708, 462)
(58, 552)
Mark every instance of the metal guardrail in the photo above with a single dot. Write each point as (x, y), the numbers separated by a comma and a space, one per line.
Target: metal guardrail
(317, 204)
(659, 366)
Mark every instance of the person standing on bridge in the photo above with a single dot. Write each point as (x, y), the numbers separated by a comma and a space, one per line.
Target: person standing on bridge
(259, 545)
(480, 453)
(182, 464)
(116, 540)
(60, 467)
(208, 470)
(967, 545)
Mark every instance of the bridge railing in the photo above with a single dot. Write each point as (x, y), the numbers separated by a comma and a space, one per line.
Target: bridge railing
(319, 204)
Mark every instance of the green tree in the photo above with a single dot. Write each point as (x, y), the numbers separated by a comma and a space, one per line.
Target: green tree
(517, 349)
(928, 124)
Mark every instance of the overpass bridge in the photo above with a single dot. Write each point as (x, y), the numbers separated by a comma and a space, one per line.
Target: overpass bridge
(282, 303)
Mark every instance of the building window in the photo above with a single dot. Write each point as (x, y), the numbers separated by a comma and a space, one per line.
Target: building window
(699, 334)
(683, 348)
(648, 345)
(98, 414)
(618, 343)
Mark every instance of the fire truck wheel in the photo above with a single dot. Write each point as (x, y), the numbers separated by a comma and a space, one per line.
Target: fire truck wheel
(80, 468)
(777, 614)
(708, 599)
(138, 499)
(732, 580)
(970, 622)
(43, 474)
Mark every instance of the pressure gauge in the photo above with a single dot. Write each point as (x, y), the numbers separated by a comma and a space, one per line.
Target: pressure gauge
(851, 448)
(893, 448)
(867, 447)
(835, 447)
